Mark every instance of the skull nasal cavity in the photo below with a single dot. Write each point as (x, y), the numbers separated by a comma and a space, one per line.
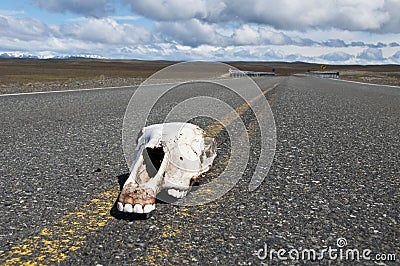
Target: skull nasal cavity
(153, 158)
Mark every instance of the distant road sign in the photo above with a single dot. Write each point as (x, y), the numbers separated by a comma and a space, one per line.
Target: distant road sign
(323, 67)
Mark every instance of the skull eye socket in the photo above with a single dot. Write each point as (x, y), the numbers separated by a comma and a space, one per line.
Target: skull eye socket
(153, 158)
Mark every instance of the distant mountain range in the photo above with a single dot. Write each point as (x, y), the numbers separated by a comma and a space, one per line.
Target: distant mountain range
(22, 55)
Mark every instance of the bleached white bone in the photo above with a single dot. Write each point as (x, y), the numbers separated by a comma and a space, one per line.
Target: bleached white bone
(185, 153)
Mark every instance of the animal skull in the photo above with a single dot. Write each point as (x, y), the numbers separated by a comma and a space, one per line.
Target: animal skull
(168, 156)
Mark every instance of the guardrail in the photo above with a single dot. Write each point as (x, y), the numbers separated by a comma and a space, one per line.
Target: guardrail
(334, 75)
(241, 73)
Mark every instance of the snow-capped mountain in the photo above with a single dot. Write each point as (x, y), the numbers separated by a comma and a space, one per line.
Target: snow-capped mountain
(48, 56)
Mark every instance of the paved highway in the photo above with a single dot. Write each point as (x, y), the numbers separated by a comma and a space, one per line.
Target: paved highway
(335, 175)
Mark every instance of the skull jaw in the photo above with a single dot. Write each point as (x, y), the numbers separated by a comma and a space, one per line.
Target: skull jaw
(135, 198)
(135, 194)
(141, 198)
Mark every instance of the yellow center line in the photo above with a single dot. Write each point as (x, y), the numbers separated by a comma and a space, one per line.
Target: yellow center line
(70, 232)
(215, 128)
(67, 234)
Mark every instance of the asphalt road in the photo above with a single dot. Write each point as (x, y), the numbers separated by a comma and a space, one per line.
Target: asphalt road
(335, 174)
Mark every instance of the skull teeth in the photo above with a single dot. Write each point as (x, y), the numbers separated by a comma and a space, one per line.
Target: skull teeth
(120, 206)
(149, 208)
(177, 193)
(128, 208)
(137, 208)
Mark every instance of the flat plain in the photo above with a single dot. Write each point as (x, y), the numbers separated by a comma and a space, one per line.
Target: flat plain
(31, 75)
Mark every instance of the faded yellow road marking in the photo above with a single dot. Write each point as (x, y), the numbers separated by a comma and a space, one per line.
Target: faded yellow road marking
(68, 234)
(215, 128)
(53, 243)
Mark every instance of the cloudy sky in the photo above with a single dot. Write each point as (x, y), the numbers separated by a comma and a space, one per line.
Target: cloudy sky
(329, 31)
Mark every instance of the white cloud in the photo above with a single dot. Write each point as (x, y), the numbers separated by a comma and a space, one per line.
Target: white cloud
(396, 57)
(359, 15)
(126, 18)
(334, 43)
(91, 8)
(23, 29)
(106, 31)
(195, 33)
(175, 10)
(335, 31)
(371, 54)
(192, 32)
(392, 8)
(336, 57)
(86, 35)
(246, 35)
(254, 34)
